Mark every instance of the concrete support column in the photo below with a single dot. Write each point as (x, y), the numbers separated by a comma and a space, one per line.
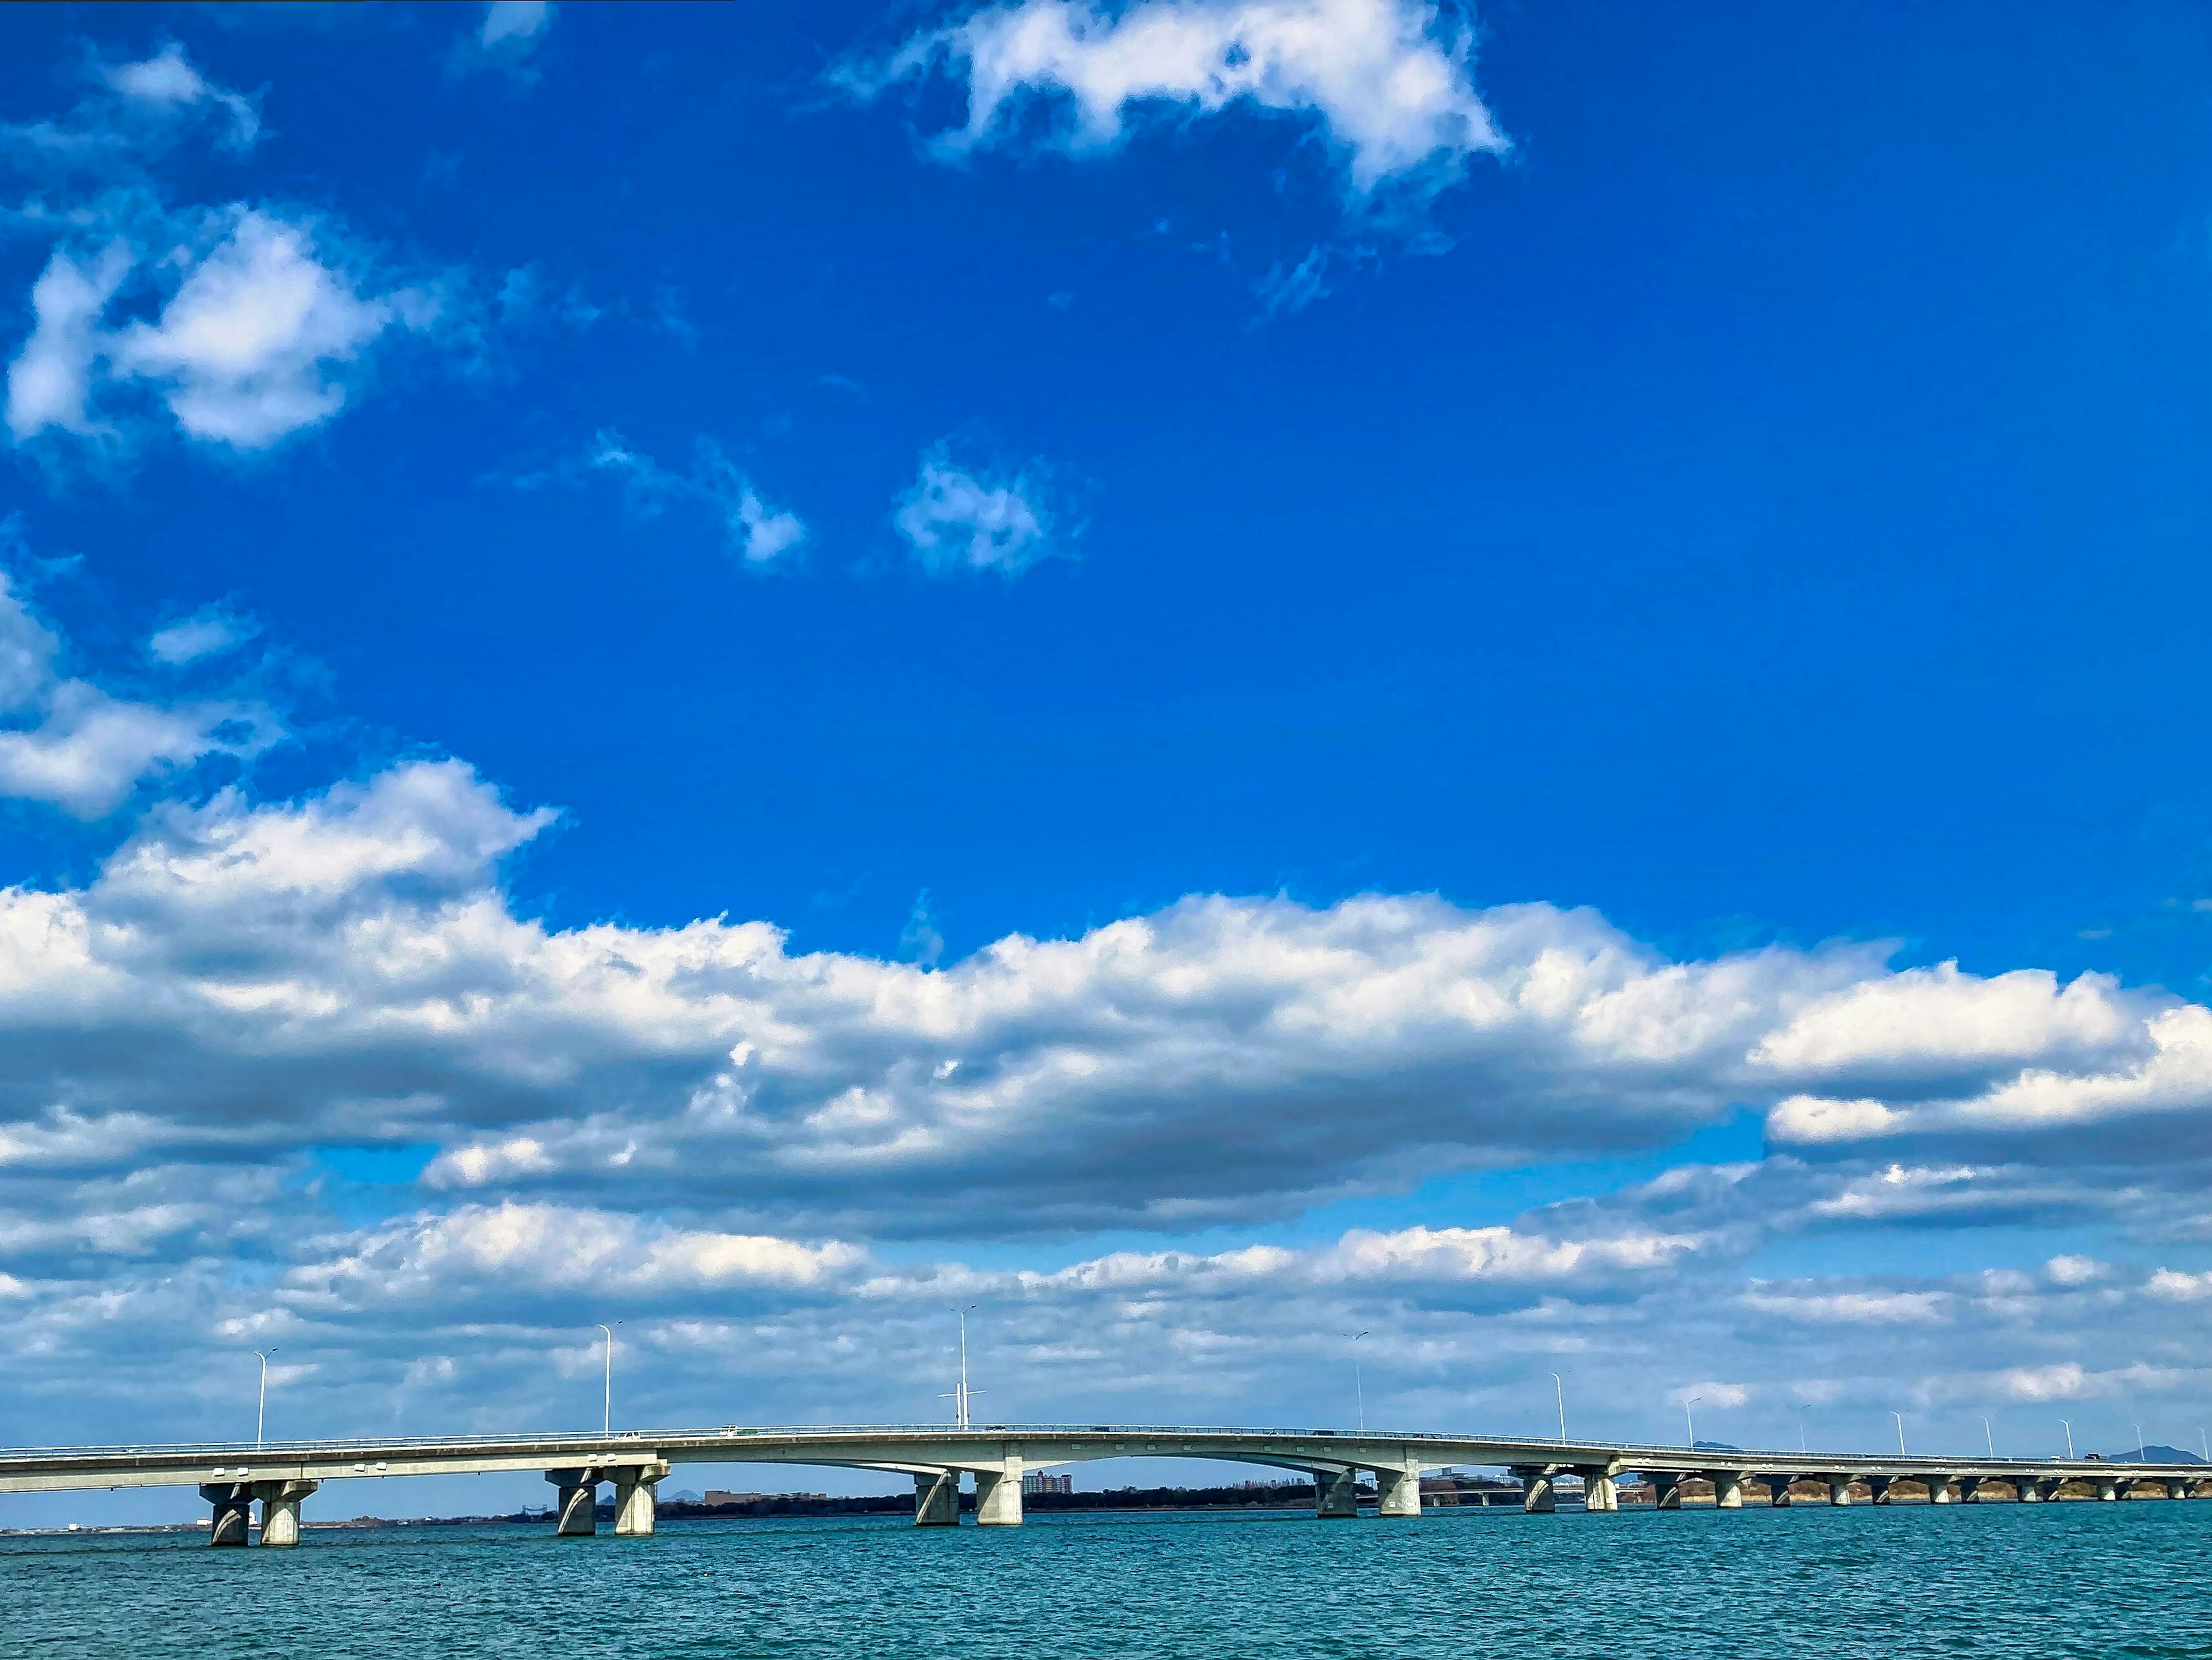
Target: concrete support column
(280, 1510)
(1777, 1491)
(999, 1496)
(1727, 1489)
(1540, 1493)
(1400, 1492)
(2178, 1489)
(233, 1510)
(1939, 1489)
(635, 1491)
(1666, 1488)
(1598, 1493)
(2107, 1489)
(1839, 1490)
(936, 1499)
(2032, 1489)
(578, 1513)
(1337, 1496)
(1880, 1484)
(1970, 1489)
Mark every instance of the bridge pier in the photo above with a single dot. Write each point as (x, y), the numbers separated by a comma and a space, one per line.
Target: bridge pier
(1401, 1492)
(1727, 1489)
(1777, 1489)
(577, 1516)
(1939, 1489)
(2178, 1489)
(1539, 1491)
(280, 1510)
(936, 1499)
(1599, 1491)
(233, 1510)
(635, 1491)
(1880, 1484)
(2036, 1489)
(999, 1496)
(1666, 1488)
(1337, 1494)
(1839, 1489)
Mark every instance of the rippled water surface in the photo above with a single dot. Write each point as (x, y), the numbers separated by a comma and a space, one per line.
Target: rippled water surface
(2068, 1579)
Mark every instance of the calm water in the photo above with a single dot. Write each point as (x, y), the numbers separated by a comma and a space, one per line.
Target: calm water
(2067, 1579)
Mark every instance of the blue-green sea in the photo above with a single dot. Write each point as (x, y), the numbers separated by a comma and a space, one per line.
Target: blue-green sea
(2009, 1580)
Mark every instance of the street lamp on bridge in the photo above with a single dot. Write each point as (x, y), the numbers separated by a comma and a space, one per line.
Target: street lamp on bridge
(261, 1407)
(607, 1392)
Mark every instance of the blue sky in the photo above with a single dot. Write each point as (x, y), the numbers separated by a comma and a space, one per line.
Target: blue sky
(1103, 544)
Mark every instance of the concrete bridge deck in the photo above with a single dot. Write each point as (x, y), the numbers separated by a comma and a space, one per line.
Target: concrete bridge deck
(281, 1474)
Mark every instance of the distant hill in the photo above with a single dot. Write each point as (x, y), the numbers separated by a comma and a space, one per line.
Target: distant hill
(2154, 1453)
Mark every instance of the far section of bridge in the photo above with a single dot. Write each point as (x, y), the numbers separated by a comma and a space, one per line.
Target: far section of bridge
(279, 1476)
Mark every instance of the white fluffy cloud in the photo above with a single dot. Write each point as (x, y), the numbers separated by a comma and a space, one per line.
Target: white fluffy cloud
(50, 382)
(256, 342)
(237, 327)
(252, 345)
(956, 520)
(733, 1144)
(1387, 84)
(347, 966)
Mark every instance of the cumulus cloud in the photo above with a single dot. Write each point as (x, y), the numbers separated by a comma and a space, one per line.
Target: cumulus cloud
(540, 1248)
(1386, 85)
(733, 1142)
(239, 326)
(255, 344)
(251, 346)
(347, 964)
(956, 520)
(757, 532)
(50, 382)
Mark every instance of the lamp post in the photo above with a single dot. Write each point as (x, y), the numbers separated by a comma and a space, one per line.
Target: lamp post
(2070, 1440)
(261, 1407)
(1988, 1438)
(2140, 1456)
(1358, 1388)
(1689, 1419)
(1899, 1416)
(1801, 1411)
(960, 1401)
(1559, 1389)
(607, 1392)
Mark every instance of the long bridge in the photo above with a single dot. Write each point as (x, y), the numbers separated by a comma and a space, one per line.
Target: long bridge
(279, 1476)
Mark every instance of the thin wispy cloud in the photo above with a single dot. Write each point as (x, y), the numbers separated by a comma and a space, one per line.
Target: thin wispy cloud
(758, 533)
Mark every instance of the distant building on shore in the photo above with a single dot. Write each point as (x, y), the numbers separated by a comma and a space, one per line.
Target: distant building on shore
(1037, 1481)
